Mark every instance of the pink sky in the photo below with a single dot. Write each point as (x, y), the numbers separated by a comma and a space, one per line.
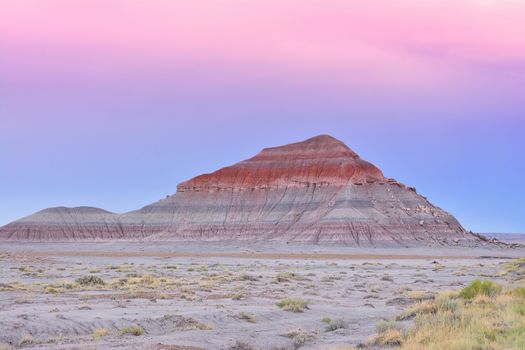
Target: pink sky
(100, 96)
(393, 42)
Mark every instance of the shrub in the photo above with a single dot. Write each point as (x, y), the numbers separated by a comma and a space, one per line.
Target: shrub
(50, 290)
(246, 277)
(299, 337)
(387, 278)
(294, 305)
(248, 317)
(241, 346)
(478, 287)
(335, 325)
(26, 340)
(136, 331)
(100, 332)
(90, 281)
(237, 297)
(287, 276)
(326, 319)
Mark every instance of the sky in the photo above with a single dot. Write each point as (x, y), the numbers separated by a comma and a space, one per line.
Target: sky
(111, 103)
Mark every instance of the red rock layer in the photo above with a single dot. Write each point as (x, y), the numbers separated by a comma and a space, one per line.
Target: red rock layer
(317, 191)
(321, 160)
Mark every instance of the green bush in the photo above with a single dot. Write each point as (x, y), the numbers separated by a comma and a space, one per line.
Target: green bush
(478, 287)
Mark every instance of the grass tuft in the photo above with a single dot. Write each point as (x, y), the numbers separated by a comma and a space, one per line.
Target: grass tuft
(100, 333)
(481, 316)
(242, 346)
(136, 331)
(26, 340)
(334, 325)
(389, 338)
(293, 305)
(519, 292)
(299, 337)
(248, 317)
(90, 281)
(478, 287)
(424, 307)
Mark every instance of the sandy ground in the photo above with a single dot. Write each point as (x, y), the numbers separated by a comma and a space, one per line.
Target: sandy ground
(195, 297)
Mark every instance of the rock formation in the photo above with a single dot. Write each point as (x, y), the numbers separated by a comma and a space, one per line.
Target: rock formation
(315, 191)
(61, 223)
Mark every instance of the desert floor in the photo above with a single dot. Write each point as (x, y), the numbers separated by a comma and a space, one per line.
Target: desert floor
(184, 296)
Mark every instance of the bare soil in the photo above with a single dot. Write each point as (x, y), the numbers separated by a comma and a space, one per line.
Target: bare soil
(220, 296)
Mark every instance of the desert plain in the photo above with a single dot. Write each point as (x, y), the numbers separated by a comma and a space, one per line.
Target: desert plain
(155, 295)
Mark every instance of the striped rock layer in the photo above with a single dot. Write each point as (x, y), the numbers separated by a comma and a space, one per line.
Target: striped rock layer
(316, 191)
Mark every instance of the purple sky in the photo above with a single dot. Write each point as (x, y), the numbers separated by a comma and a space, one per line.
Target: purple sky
(111, 103)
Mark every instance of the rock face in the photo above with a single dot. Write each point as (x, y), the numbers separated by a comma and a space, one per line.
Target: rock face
(80, 223)
(315, 191)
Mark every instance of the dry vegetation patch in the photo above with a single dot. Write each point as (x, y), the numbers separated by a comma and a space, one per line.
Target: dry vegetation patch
(483, 315)
(293, 305)
(135, 330)
(100, 333)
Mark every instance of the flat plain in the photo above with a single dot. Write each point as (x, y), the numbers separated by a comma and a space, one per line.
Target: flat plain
(133, 295)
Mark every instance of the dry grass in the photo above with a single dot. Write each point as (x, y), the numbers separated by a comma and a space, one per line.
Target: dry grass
(247, 277)
(389, 338)
(100, 333)
(293, 305)
(188, 324)
(419, 295)
(515, 269)
(242, 346)
(483, 315)
(248, 317)
(136, 331)
(26, 340)
(298, 337)
(288, 276)
(14, 285)
(237, 296)
(326, 319)
(90, 280)
(334, 325)
(424, 307)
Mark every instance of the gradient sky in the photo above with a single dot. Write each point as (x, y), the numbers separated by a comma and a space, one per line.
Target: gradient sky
(111, 103)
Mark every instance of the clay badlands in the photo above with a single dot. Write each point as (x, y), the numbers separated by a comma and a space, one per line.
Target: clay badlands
(304, 246)
(317, 191)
